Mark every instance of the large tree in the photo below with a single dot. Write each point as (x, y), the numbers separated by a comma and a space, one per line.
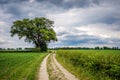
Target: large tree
(39, 31)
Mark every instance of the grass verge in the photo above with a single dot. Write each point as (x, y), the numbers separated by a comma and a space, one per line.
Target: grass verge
(91, 64)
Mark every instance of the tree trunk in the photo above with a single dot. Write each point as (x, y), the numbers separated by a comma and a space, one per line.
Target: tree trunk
(43, 46)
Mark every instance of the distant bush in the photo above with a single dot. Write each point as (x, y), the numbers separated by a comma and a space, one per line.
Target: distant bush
(49, 51)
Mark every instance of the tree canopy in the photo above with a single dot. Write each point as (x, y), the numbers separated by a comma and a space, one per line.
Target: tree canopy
(39, 31)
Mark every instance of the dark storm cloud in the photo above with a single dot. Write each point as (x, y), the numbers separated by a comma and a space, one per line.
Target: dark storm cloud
(62, 33)
(59, 3)
(109, 20)
(14, 10)
(71, 3)
(83, 39)
(2, 42)
(75, 40)
(11, 1)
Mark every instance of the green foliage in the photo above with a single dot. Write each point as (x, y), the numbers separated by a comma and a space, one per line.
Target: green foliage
(95, 64)
(19, 66)
(39, 31)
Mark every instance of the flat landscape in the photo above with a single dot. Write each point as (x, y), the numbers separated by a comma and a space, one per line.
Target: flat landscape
(59, 40)
(61, 65)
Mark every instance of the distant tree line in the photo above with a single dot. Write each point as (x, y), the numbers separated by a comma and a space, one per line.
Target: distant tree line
(87, 48)
(20, 49)
(106, 48)
(63, 48)
(16, 49)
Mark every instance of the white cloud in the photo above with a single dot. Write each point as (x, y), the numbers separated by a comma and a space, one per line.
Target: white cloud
(2, 38)
(81, 16)
(68, 0)
(90, 21)
(101, 30)
(31, 1)
(2, 23)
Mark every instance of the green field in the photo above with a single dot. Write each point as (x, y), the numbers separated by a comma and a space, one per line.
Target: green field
(20, 66)
(91, 64)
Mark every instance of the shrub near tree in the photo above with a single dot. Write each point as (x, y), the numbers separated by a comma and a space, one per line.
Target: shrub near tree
(39, 31)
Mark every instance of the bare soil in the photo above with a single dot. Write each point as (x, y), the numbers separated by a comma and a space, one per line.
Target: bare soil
(43, 75)
(51, 69)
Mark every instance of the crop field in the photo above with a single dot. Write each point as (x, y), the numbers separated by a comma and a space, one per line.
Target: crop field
(91, 64)
(20, 66)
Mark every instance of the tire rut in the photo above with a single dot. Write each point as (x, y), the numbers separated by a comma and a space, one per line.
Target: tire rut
(43, 75)
(67, 74)
(57, 71)
(53, 70)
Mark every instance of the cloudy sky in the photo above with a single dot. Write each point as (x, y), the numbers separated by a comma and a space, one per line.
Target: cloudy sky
(85, 23)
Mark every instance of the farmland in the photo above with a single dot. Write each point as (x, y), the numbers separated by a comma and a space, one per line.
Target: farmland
(20, 66)
(91, 64)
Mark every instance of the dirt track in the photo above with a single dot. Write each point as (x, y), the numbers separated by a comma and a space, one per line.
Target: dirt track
(43, 75)
(51, 69)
